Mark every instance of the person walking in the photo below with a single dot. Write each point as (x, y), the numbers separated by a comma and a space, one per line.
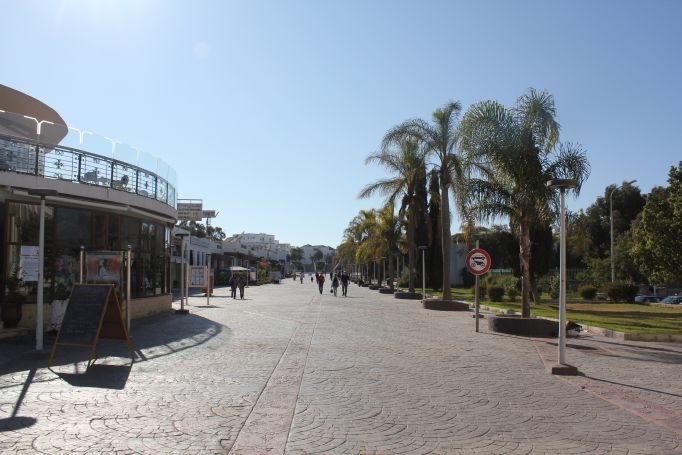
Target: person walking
(302, 274)
(320, 282)
(335, 284)
(240, 285)
(233, 287)
(345, 279)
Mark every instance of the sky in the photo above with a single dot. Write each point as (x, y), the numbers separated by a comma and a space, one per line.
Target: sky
(267, 110)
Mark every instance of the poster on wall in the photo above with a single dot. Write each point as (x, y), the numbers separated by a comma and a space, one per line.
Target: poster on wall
(29, 262)
(197, 276)
(104, 267)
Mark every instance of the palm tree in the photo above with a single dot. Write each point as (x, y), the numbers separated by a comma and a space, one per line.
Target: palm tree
(361, 230)
(521, 144)
(389, 234)
(439, 139)
(406, 165)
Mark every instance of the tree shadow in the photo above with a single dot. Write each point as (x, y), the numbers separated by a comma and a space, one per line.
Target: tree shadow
(646, 389)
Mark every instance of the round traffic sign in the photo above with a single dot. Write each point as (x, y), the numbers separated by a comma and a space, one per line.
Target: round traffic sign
(478, 261)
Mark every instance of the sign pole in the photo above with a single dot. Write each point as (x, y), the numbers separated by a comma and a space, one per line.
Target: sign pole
(477, 298)
(478, 263)
(182, 274)
(128, 266)
(80, 268)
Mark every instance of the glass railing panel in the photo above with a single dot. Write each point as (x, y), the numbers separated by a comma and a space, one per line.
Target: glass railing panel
(162, 190)
(60, 164)
(97, 144)
(95, 170)
(17, 156)
(147, 185)
(125, 177)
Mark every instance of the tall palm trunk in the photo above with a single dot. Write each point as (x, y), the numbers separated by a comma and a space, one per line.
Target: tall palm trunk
(390, 271)
(524, 257)
(410, 247)
(445, 235)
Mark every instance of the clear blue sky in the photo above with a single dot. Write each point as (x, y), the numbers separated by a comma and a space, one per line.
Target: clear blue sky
(267, 109)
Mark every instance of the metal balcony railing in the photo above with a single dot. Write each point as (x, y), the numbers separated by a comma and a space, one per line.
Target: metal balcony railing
(24, 156)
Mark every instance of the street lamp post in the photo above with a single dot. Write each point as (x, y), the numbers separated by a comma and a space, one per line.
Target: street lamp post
(183, 274)
(42, 192)
(423, 248)
(562, 185)
(613, 270)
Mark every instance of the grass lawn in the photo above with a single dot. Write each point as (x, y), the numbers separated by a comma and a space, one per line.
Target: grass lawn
(622, 317)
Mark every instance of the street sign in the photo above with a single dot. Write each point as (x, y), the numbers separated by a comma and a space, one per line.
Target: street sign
(478, 261)
(190, 209)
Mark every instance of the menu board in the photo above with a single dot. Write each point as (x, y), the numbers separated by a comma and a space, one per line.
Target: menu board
(83, 314)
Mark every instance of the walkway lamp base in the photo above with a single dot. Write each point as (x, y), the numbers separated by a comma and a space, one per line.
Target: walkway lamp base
(560, 369)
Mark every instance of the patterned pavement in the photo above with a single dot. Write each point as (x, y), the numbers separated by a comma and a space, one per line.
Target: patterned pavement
(289, 370)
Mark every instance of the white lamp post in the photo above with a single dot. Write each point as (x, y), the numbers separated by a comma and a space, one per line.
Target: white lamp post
(562, 185)
(42, 192)
(613, 270)
(423, 248)
(183, 273)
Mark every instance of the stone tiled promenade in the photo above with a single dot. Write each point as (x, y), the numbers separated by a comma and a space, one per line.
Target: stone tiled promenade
(288, 370)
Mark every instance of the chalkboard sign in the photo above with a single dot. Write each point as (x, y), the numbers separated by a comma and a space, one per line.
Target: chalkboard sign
(93, 312)
(83, 315)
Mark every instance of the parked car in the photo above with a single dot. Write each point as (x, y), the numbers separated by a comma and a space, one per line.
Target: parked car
(674, 299)
(646, 299)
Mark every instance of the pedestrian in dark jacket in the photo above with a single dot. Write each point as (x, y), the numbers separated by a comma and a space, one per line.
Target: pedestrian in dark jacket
(240, 285)
(233, 287)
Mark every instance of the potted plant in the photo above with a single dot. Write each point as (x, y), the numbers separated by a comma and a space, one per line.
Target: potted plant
(11, 307)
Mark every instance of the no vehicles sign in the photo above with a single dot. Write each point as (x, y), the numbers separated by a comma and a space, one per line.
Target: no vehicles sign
(478, 261)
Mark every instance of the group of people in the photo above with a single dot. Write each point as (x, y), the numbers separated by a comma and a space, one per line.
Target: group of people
(236, 282)
(337, 279)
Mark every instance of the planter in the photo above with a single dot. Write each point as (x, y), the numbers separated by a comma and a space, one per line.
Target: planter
(444, 305)
(11, 309)
(373, 287)
(408, 295)
(386, 291)
(529, 327)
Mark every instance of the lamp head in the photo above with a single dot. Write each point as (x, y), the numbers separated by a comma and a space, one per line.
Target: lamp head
(562, 184)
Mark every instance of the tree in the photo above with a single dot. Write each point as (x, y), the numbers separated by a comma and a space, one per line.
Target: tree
(316, 257)
(439, 140)
(405, 163)
(389, 233)
(297, 257)
(434, 255)
(657, 248)
(521, 144)
(195, 229)
(215, 233)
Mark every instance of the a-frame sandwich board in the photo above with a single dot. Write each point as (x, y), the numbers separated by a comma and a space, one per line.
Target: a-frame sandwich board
(93, 313)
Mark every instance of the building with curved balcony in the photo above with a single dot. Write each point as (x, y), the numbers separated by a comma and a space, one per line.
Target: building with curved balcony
(101, 199)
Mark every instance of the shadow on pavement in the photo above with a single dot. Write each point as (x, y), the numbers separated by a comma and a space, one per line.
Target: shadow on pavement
(151, 337)
(100, 376)
(633, 386)
(16, 423)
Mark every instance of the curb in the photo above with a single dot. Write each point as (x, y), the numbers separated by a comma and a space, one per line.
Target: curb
(660, 338)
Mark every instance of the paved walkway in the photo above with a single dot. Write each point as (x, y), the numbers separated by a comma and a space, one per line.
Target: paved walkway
(288, 370)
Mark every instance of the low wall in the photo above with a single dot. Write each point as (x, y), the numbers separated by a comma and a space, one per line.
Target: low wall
(140, 308)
